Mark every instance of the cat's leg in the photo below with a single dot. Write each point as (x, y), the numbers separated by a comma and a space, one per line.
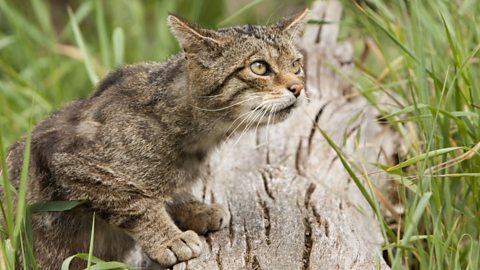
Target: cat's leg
(58, 235)
(191, 214)
(118, 200)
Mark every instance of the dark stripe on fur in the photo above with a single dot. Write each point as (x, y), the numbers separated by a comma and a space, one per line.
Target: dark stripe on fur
(236, 94)
(110, 80)
(216, 90)
(249, 83)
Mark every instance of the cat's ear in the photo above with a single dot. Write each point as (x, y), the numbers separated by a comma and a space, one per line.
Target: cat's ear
(290, 25)
(192, 38)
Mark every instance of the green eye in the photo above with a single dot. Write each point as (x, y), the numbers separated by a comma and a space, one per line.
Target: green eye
(259, 67)
(297, 67)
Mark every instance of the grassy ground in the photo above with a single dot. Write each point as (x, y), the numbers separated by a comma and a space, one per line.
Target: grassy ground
(423, 53)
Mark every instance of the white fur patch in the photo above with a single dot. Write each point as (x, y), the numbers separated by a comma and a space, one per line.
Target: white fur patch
(88, 129)
(135, 257)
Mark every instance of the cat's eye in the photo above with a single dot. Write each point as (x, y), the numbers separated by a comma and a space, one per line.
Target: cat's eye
(297, 67)
(259, 68)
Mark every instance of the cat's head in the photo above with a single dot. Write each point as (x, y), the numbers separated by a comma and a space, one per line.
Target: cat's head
(249, 74)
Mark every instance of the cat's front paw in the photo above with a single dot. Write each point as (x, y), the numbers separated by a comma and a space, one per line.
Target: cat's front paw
(185, 246)
(209, 218)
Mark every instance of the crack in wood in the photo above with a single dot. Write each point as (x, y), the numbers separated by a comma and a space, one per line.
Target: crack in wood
(265, 178)
(212, 197)
(307, 243)
(314, 127)
(266, 218)
(351, 131)
(267, 155)
(330, 165)
(298, 159)
(219, 259)
(354, 262)
(308, 195)
(327, 228)
(317, 215)
(204, 192)
(231, 231)
(381, 152)
(209, 240)
(248, 245)
(318, 38)
(308, 239)
(256, 263)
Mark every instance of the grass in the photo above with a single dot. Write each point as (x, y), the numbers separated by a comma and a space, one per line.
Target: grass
(424, 54)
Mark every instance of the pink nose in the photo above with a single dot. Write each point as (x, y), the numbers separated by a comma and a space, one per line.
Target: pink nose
(295, 89)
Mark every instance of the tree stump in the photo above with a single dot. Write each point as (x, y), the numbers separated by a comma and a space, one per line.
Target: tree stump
(292, 203)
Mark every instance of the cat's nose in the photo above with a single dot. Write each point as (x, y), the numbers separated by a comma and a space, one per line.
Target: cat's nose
(295, 88)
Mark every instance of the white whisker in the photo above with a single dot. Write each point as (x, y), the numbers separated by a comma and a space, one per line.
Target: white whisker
(266, 111)
(272, 115)
(224, 108)
(249, 113)
(247, 127)
(252, 121)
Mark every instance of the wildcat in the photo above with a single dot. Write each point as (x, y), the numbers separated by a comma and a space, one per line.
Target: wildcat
(133, 150)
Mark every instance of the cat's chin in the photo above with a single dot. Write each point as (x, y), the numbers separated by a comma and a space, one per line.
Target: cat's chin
(282, 114)
(277, 116)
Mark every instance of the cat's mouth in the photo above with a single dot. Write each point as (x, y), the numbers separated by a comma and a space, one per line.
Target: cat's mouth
(276, 110)
(286, 109)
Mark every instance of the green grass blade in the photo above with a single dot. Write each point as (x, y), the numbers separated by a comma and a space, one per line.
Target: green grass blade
(356, 180)
(473, 257)
(55, 206)
(83, 48)
(66, 263)
(8, 218)
(239, 12)
(81, 13)
(102, 35)
(29, 240)
(7, 41)
(84, 256)
(423, 156)
(22, 192)
(412, 226)
(109, 265)
(9, 253)
(43, 16)
(102, 265)
(24, 257)
(90, 247)
(118, 46)
(21, 22)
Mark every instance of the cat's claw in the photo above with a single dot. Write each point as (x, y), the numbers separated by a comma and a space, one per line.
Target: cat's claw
(183, 247)
(208, 219)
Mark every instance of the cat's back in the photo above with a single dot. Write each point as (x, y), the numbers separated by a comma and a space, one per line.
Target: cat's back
(140, 81)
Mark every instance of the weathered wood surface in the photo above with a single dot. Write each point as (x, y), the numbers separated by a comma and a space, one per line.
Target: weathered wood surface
(292, 203)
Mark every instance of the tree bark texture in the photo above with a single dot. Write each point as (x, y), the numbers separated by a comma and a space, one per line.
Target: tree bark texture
(293, 205)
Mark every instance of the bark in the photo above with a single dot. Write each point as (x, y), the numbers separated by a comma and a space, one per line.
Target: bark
(293, 204)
